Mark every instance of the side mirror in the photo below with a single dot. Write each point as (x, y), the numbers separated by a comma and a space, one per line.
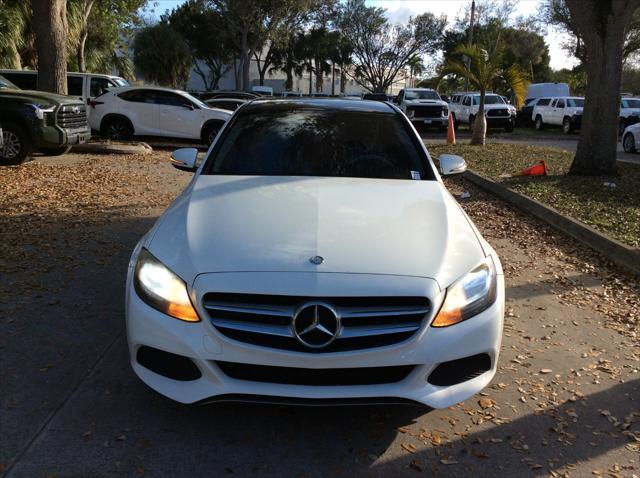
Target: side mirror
(185, 159)
(452, 164)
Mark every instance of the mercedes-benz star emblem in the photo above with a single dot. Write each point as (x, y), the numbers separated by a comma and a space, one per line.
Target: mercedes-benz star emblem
(316, 324)
(317, 260)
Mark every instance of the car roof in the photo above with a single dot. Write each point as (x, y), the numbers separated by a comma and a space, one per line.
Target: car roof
(120, 89)
(328, 104)
(6, 70)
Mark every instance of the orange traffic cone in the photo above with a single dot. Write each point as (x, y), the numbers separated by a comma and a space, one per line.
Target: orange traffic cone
(539, 169)
(451, 133)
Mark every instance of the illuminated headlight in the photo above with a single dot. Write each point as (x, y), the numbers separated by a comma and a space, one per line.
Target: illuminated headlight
(468, 296)
(42, 108)
(512, 110)
(161, 289)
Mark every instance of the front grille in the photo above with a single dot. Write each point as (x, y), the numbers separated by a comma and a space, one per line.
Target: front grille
(72, 116)
(498, 112)
(325, 377)
(266, 320)
(426, 111)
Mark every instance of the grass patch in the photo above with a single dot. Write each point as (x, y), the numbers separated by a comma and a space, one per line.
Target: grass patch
(613, 211)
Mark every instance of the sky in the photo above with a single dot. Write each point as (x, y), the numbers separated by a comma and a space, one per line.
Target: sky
(401, 10)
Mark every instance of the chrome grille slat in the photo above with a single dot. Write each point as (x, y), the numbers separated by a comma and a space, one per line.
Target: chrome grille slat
(366, 322)
(281, 330)
(378, 312)
(350, 332)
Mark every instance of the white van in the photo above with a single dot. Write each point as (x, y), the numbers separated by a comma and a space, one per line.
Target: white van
(85, 86)
(552, 90)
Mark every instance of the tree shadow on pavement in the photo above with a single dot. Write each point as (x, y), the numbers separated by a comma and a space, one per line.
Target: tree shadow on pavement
(537, 443)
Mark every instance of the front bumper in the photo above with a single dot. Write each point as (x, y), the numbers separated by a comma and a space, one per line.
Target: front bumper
(499, 121)
(439, 121)
(205, 346)
(54, 136)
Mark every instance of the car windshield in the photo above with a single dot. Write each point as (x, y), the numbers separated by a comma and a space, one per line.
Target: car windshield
(575, 102)
(196, 100)
(631, 103)
(4, 83)
(294, 140)
(121, 82)
(421, 95)
(489, 100)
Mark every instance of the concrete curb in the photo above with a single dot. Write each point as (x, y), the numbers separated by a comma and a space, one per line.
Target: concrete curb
(107, 147)
(625, 256)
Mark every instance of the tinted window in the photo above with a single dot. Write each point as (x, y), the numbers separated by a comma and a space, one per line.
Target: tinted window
(289, 140)
(74, 85)
(171, 99)
(229, 105)
(422, 95)
(467, 101)
(489, 100)
(4, 83)
(560, 104)
(544, 102)
(99, 86)
(25, 81)
(139, 96)
(575, 102)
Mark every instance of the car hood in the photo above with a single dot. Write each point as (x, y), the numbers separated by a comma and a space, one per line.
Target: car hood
(32, 95)
(425, 102)
(266, 223)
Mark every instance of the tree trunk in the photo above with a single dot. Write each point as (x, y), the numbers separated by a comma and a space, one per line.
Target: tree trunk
(333, 79)
(319, 77)
(310, 77)
(602, 25)
(288, 85)
(237, 66)
(50, 26)
(480, 124)
(343, 79)
(80, 54)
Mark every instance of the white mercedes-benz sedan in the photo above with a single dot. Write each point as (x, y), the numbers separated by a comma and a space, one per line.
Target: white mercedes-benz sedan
(317, 258)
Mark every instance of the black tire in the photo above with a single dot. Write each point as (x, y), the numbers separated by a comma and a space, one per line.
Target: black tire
(629, 143)
(116, 128)
(567, 127)
(209, 132)
(509, 127)
(538, 123)
(17, 145)
(59, 151)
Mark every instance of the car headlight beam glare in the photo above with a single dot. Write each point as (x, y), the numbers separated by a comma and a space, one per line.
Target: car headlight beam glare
(163, 290)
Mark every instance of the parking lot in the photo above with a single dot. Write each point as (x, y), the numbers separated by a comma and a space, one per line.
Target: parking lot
(565, 401)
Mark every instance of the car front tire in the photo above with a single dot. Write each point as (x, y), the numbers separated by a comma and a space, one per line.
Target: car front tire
(539, 124)
(16, 146)
(629, 143)
(567, 128)
(117, 129)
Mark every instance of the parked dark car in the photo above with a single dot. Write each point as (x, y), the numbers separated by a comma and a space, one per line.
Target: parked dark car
(229, 104)
(524, 116)
(239, 95)
(38, 121)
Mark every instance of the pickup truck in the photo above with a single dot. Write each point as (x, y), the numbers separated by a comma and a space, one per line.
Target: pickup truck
(499, 114)
(37, 121)
(565, 111)
(424, 107)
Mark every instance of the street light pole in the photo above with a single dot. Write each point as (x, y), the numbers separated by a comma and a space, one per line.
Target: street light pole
(470, 40)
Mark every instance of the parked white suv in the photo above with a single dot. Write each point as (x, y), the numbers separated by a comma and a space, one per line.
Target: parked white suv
(123, 113)
(423, 106)
(629, 113)
(499, 114)
(316, 257)
(565, 111)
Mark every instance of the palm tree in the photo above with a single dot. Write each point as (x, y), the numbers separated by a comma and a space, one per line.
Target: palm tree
(484, 69)
(416, 67)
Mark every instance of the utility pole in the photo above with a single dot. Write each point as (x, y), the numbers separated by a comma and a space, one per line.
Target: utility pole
(470, 40)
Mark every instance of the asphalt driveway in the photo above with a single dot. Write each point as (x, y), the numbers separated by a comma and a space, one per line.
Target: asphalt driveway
(565, 402)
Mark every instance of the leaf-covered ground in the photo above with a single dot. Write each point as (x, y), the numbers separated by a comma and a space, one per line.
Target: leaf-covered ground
(612, 210)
